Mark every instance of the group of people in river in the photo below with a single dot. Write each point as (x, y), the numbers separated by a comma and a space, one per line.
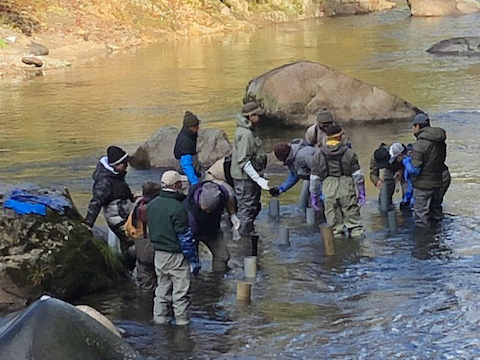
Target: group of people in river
(159, 237)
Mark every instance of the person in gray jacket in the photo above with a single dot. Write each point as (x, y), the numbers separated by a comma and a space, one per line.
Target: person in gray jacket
(249, 160)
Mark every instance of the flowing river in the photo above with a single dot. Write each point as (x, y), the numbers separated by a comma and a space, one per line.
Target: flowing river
(401, 297)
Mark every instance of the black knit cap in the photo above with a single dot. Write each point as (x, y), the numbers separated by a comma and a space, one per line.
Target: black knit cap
(281, 151)
(333, 130)
(116, 155)
(381, 157)
(190, 119)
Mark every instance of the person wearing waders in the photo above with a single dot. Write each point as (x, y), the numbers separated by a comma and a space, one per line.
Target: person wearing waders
(248, 163)
(185, 150)
(390, 159)
(176, 253)
(205, 204)
(136, 228)
(298, 157)
(337, 167)
(112, 193)
(316, 135)
(427, 170)
(219, 173)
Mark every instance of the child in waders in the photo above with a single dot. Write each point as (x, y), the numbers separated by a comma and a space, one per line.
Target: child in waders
(337, 167)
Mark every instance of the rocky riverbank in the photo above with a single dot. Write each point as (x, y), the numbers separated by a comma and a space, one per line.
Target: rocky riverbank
(83, 30)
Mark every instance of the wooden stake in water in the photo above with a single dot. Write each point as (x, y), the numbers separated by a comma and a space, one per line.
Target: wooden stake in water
(250, 267)
(327, 237)
(284, 237)
(274, 209)
(392, 222)
(254, 239)
(244, 291)
(310, 216)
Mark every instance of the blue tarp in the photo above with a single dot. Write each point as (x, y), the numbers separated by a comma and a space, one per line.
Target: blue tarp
(24, 202)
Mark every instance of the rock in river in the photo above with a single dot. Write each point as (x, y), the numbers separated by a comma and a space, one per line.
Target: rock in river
(29, 60)
(430, 8)
(462, 46)
(354, 7)
(292, 92)
(54, 254)
(158, 150)
(54, 330)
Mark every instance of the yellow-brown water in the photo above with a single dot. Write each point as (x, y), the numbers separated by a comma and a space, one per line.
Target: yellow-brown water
(379, 298)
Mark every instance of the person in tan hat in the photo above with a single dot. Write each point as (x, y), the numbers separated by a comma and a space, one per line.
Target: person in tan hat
(248, 164)
(175, 250)
(337, 168)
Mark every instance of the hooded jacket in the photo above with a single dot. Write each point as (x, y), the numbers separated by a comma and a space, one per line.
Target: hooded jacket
(110, 191)
(429, 154)
(201, 222)
(185, 151)
(247, 146)
(300, 158)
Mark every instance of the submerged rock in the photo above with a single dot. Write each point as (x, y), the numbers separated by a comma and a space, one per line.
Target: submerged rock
(54, 254)
(293, 93)
(32, 61)
(37, 49)
(461, 46)
(54, 330)
(431, 8)
(212, 145)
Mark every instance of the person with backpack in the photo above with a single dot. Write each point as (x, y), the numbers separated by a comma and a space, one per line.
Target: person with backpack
(136, 228)
(337, 167)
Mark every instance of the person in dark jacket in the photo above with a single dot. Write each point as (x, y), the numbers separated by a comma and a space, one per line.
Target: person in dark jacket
(390, 159)
(337, 167)
(112, 193)
(427, 170)
(185, 150)
(205, 204)
(175, 251)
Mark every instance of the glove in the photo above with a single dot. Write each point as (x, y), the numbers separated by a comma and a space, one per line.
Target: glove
(236, 235)
(263, 183)
(253, 174)
(275, 191)
(361, 195)
(315, 200)
(195, 267)
(235, 221)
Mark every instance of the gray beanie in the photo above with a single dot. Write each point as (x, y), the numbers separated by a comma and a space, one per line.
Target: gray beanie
(210, 196)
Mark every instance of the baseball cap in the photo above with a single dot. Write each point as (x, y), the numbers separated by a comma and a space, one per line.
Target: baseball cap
(395, 150)
(420, 119)
(171, 177)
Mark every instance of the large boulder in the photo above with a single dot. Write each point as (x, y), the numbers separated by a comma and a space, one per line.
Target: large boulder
(52, 253)
(431, 8)
(354, 7)
(157, 152)
(462, 46)
(54, 330)
(293, 93)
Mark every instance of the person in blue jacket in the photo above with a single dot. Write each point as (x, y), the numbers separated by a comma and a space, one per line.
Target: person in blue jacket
(185, 150)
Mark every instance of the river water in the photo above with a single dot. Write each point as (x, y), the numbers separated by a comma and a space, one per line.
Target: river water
(410, 296)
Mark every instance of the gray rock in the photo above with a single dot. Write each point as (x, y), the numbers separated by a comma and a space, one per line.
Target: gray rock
(52, 329)
(293, 93)
(157, 152)
(37, 49)
(435, 8)
(461, 46)
(32, 61)
(354, 7)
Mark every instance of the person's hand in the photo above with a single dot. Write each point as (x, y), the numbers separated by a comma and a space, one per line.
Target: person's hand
(379, 184)
(263, 183)
(275, 191)
(235, 221)
(236, 235)
(89, 228)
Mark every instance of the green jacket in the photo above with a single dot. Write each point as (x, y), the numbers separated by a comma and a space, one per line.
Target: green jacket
(166, 217)
(429, 153)
(247, 146)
